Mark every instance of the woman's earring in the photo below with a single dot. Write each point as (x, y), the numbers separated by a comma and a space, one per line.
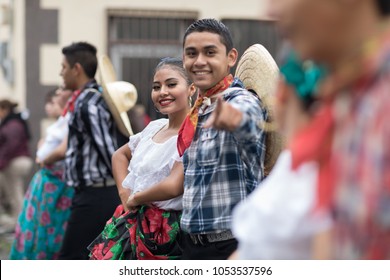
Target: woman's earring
(190, 101)
(155, 108)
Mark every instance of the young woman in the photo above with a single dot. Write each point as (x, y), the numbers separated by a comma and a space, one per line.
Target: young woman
(148, 172)
(46, 208)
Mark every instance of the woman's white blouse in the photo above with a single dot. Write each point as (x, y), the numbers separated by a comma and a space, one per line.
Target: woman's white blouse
(55, 134)
(278, 220)
(151, 162)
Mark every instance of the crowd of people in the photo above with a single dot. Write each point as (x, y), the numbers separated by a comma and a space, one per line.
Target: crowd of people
(194, 185)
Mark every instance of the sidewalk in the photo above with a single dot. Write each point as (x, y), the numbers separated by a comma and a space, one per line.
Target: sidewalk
(7, 228)
(5, 244)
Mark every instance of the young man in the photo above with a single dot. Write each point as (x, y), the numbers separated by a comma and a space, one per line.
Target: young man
(93, 138)
(351, 38)
(223, 161)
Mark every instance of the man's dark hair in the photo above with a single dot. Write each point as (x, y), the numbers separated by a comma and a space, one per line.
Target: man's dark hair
(384, 7)
(84, 54)
(212, 26)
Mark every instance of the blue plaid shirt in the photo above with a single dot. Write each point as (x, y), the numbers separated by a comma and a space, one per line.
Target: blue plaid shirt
(222, 168)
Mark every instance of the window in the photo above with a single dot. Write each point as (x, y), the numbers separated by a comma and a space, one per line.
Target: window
(137, 40)
(248, 32)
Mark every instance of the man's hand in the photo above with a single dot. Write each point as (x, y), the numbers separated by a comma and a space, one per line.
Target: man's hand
(224, 117)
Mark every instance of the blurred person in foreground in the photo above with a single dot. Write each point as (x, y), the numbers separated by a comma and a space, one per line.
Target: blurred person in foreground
(15, 161)
(352, 39)
(282, 210)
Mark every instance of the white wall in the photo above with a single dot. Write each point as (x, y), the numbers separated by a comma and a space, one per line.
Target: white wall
(14, 33)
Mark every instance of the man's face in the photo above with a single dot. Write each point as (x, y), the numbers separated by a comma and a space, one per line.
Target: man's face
(316, 28)
(68, 75)
(205, 59)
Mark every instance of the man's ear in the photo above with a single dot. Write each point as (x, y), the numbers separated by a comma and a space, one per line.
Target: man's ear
(232, 57)
(193, 89)
(78, 68)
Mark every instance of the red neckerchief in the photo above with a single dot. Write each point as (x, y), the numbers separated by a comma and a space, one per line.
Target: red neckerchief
(188, 127)
(69, 107)
(313, 143)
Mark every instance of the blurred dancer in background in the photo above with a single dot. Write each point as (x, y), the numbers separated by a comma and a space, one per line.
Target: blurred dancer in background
(15, 161)
(42, 222)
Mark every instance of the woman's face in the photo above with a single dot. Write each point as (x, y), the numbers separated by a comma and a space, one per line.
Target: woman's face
(53, 108)
(170, 91)
(64, 95)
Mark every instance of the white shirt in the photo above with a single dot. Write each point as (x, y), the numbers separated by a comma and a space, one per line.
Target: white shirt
(55, 134)
(278, 220)
(151, 162)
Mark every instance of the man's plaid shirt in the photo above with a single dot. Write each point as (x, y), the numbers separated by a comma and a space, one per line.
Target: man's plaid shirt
(222, 168)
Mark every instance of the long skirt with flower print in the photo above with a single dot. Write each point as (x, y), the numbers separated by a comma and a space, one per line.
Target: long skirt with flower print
(42, 222)
(147, 233)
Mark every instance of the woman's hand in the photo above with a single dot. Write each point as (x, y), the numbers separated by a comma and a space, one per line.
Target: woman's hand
(40, 163)
(124, 196)
(131, 202)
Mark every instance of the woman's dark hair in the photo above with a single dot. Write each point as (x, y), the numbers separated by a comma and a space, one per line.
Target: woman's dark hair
(7, 104)
(175, 63)
(84, 54)
(213, 26)
(50, 94)
(384, 7)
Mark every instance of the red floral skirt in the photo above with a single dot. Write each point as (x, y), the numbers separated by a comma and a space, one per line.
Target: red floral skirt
(147, 233)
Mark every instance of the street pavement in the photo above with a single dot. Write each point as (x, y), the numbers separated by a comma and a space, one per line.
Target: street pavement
(6, 239)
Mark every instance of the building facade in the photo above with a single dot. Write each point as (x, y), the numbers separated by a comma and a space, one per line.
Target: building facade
(135, 35)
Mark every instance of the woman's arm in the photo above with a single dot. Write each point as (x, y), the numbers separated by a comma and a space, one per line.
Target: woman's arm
(120, 161)
(321, 245)
(170, 187)
(40, 143)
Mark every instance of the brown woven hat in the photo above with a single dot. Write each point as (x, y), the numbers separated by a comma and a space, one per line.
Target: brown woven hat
(259, 72)
(120, 96)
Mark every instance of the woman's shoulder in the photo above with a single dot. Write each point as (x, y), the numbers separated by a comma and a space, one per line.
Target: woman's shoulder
(13, 124)
(158, 122)
(155, 125)
(152, 128)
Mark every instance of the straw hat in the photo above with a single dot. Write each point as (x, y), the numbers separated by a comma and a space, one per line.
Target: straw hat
(259, 72)
(120, 96)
